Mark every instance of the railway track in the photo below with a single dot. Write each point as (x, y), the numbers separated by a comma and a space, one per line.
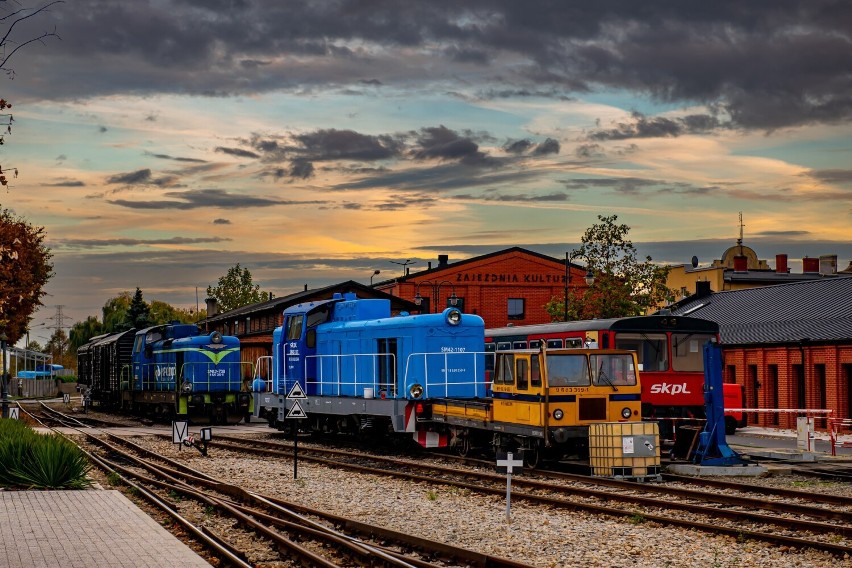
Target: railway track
(797, 520)
(310, 536)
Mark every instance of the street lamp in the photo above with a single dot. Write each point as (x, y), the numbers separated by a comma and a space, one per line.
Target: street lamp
(4, 393)
(375, 273)
(436, 292)
(404, 264)
(590, 280)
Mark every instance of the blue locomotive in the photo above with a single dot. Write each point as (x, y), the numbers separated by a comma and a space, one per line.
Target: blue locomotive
(170, 370)
(358, 369)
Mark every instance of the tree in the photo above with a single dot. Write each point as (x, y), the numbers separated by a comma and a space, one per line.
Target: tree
(138, 314)
(161, 312)
(59, 347)
(236, 289)
(624, 285)
(25, 268)
(115, 312)
(82, 332)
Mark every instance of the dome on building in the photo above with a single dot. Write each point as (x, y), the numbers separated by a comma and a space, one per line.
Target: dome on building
(753, 263)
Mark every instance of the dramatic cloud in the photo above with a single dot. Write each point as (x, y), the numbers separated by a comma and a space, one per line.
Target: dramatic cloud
(207, 198)
(659, 127)
(767, 65)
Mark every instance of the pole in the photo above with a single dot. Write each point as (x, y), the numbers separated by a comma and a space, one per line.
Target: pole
(295, 450)
(567, 281)
(5, 385)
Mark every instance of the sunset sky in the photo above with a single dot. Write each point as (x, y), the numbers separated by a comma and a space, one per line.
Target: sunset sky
(161, 142)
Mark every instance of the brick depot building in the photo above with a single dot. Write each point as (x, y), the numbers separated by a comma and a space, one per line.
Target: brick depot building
(510, 286)
(790, 345)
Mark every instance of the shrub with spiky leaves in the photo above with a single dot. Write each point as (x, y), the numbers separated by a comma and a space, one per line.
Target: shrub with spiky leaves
(32, 460)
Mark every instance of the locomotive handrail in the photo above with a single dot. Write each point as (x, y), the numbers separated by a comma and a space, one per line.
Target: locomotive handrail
(447, 383)
(337, 381)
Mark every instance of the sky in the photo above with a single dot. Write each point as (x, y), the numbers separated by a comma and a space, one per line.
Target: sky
(161, 142)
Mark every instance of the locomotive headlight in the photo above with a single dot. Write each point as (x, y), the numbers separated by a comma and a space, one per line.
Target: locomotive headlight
(216, 337)
(453, 316)
(186, 387)
(416, 391)
(626, 412)
(558, 414)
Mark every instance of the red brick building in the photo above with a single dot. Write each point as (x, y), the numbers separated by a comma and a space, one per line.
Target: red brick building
(509, 286)
(790, 345)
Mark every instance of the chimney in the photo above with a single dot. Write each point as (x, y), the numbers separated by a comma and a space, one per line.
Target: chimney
(740, 264)
(828, 264)
(702, 288)
(781, 264)
(810, 265)
(443, 260)
(212, 307)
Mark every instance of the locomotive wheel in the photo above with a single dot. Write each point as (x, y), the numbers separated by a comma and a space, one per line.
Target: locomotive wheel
(532, 457)
(463, 447)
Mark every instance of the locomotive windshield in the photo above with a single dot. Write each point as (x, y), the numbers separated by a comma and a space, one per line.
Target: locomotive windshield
(650, 348)
(294, 327)
(688, 351)
(613, 370)
(567, 371)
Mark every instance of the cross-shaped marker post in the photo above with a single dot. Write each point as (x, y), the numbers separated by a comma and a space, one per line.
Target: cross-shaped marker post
(505, 463)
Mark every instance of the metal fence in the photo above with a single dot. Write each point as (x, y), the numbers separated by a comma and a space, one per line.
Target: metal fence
(33, 388)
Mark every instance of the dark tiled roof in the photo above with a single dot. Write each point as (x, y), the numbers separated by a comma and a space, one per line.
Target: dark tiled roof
(818, 310)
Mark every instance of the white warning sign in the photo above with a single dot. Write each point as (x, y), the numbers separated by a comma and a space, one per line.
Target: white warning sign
(296, 411)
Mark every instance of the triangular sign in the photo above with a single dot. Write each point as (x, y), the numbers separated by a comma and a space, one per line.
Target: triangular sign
(296, 392)
(296, 411)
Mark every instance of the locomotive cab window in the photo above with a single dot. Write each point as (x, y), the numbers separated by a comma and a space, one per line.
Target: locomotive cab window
(567, 371)
(554, 343)
(505, 370)
(522, 374)
(535, 372)
(612, 370)
(294, 327)
(688, 351)
(650, 348)
(519, 345)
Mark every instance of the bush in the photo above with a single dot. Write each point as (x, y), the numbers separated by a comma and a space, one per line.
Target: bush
(31, 460)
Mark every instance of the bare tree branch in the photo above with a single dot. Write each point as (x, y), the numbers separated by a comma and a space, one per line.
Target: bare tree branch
(6, 37)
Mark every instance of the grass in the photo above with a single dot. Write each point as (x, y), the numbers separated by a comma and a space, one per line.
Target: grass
(29, 460)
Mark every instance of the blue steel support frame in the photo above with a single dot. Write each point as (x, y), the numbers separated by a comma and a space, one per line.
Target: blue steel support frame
(713, 449)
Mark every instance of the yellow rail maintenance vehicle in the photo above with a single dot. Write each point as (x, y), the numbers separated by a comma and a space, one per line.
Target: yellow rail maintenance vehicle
(543, 401)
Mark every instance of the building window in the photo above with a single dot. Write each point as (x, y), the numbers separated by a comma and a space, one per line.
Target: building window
(516, 308)
(459, 304)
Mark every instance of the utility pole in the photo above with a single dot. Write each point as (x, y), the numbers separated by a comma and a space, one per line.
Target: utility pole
(58, 320)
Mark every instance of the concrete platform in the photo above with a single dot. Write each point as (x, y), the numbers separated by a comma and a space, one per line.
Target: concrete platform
(717, 471)
(82, 529)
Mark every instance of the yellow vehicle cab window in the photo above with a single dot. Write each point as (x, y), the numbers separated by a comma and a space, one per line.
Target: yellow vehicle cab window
(522, 374)
(567, 371)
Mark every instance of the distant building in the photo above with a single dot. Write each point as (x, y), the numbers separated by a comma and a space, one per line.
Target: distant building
(506, 287)
(740, 268)
(790, 345)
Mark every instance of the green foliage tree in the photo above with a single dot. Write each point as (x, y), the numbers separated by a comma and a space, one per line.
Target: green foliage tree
(138, 313)
(25, 268)
(60, 348)
(236, 289)
(82, 332)
(624, 285)
(115, 312)
(161, 312)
